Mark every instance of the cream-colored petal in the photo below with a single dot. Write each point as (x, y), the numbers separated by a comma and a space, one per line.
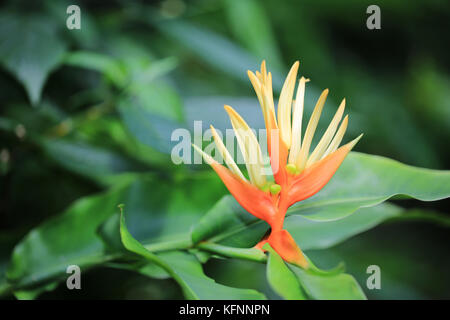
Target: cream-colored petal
(256, 85)
(226, 155)
(285, 105)
(208, 159)
(268, 96)
(263, 71)
(297, 118)
(337, 138)
(310, 129)
(352, 143)
(264, 94)
(258, 75)
(249, 146)
(327, 136)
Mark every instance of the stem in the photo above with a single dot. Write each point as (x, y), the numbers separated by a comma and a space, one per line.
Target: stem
(229, 252)
(251, 254)
(169, 245)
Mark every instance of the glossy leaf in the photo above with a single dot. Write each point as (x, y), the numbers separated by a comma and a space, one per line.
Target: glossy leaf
(311, 234)
(31, 53)
(187, 271)
(105, 64)
(282, 280)
(146, 119)
(43, 254)
(366, 180)
(335, 287)
(361, 181)
(158, 216)
(88, 160)
(251, 25)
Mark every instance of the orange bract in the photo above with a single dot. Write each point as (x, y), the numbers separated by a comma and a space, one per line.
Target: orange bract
(298, 173)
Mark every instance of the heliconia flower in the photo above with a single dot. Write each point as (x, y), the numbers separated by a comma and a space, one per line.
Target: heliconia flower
(298, 172)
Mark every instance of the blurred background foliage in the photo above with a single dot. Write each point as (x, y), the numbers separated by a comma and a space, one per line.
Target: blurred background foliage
(92, 110)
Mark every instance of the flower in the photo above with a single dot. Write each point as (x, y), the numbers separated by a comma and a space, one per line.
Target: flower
(298, 173)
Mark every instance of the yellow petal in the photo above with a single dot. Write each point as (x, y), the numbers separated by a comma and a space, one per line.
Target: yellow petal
(285, 105)
(249, 147)
(327, 136)
(352, 143)
(226, 155)
(297, 117)
(264, 94)
(208, 159)
(256, 85)
(337, 138)
(310, 129)
(263, 71)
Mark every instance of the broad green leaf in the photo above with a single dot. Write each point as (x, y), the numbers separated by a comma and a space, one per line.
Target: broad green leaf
(335, 287)
(152, 270)
(157, 99)
(147, 268)
(30, 294)
(310, 234)
(187, 271)
(158, 213)
(215, 49)
(251, 25)
(88, 160)
(154, 70)
(104, 64)
(110, 132)
(362, 181)
(281, 278)
(47, 251)
(152, 118)
(365, 180)
(412, 256)
(226, 216)
(190, 270)
(30, 49)
(122, 72)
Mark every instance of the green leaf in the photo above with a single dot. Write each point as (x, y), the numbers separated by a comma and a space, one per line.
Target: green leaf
(152, 115)
(366, 180)
(403, 250)
(104, 64)
(88, 160)
(69, 239)
(311, 234)
(226, 216)
(159, 213)
(157, 99)
(335, 287)
(187, 271)
(251, 25)
(281, 278)
(362, 181)
(33, 293)
(190, 270)
(30, 49)
(215, 49)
